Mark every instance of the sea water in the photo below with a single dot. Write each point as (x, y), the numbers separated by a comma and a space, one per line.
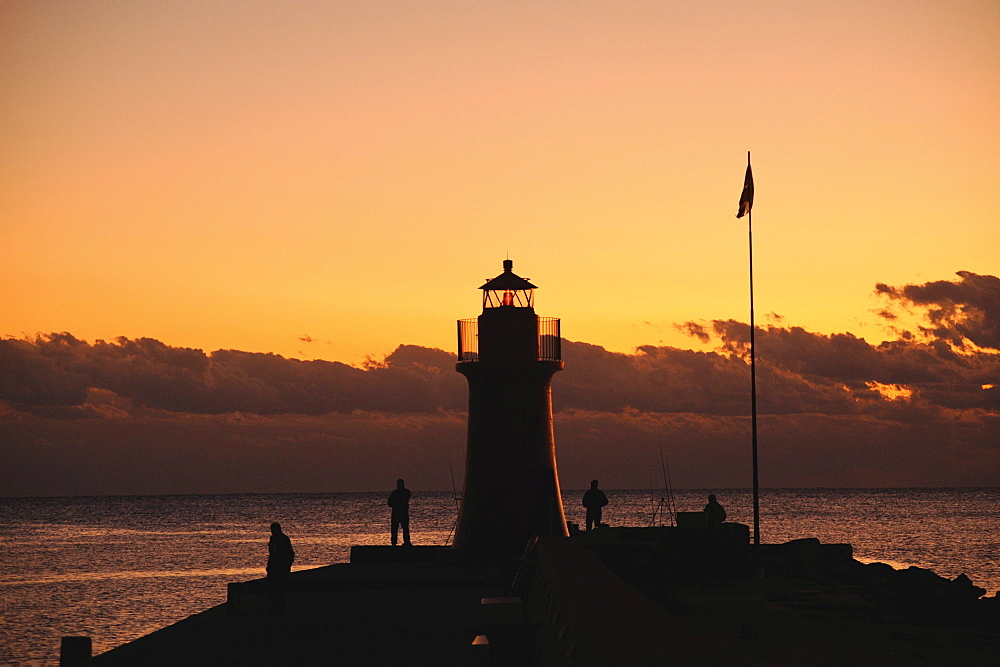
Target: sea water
(116, 568)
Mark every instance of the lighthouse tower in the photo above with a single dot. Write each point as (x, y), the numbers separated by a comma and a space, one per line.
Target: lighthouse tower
(509, 355)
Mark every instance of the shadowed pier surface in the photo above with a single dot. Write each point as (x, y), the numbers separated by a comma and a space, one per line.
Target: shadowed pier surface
(366, 613)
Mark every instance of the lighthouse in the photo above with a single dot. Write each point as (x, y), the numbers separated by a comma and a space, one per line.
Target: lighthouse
(508, 355)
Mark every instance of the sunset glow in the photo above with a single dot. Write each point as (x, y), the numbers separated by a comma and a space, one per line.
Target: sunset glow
(249, 176)
(893, 392)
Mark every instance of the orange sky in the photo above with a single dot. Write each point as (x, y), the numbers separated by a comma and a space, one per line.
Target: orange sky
(242, 175)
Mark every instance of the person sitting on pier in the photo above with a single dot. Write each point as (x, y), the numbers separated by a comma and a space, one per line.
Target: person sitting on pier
(594, 500)
(280, 557)
(715, 514)
(399, 501)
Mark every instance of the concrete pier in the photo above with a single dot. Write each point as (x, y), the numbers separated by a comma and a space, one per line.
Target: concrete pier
(603, 597)
(376, 613)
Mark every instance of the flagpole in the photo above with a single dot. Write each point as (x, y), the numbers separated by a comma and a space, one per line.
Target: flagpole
(753, 391)
(746, 208)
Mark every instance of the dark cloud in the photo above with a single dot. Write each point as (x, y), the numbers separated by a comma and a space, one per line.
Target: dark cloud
(947, 448)
(57, 369)
(140, 416)
(798, 372)
(801, 371)
(695, 330)
(958, 311)
(657, 379)
(887, 314)
(414, 379)
(148, 451)
(31, 378)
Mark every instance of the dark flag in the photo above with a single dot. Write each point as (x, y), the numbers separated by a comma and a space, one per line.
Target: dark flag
(746, 199)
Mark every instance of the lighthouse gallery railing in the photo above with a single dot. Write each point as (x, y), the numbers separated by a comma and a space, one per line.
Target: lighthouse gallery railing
(549, 341)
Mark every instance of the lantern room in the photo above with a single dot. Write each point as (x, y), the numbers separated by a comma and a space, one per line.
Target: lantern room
(508, 331)
(508, 290)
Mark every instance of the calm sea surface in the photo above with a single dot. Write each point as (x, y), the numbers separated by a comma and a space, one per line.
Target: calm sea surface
(116, 568)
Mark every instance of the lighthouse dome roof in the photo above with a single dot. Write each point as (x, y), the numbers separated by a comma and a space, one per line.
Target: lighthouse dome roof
(508, 280)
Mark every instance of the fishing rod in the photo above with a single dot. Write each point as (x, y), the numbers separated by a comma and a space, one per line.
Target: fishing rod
(652, 501)
(670, 495)
(654, 507)
(454, 493)
(672, 507)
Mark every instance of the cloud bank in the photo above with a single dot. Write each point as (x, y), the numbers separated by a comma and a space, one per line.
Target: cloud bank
(959, 312)
(140, 416)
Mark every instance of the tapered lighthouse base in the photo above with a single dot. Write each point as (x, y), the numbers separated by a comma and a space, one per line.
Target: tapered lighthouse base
(511, 486)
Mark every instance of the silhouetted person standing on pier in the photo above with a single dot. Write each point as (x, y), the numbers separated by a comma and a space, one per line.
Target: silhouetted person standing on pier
(715, 513)
(594, 500)
(399, 501)
(280, 556)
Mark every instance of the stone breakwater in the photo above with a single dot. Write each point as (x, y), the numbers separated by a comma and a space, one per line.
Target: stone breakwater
(799, 602)
(913, 591)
